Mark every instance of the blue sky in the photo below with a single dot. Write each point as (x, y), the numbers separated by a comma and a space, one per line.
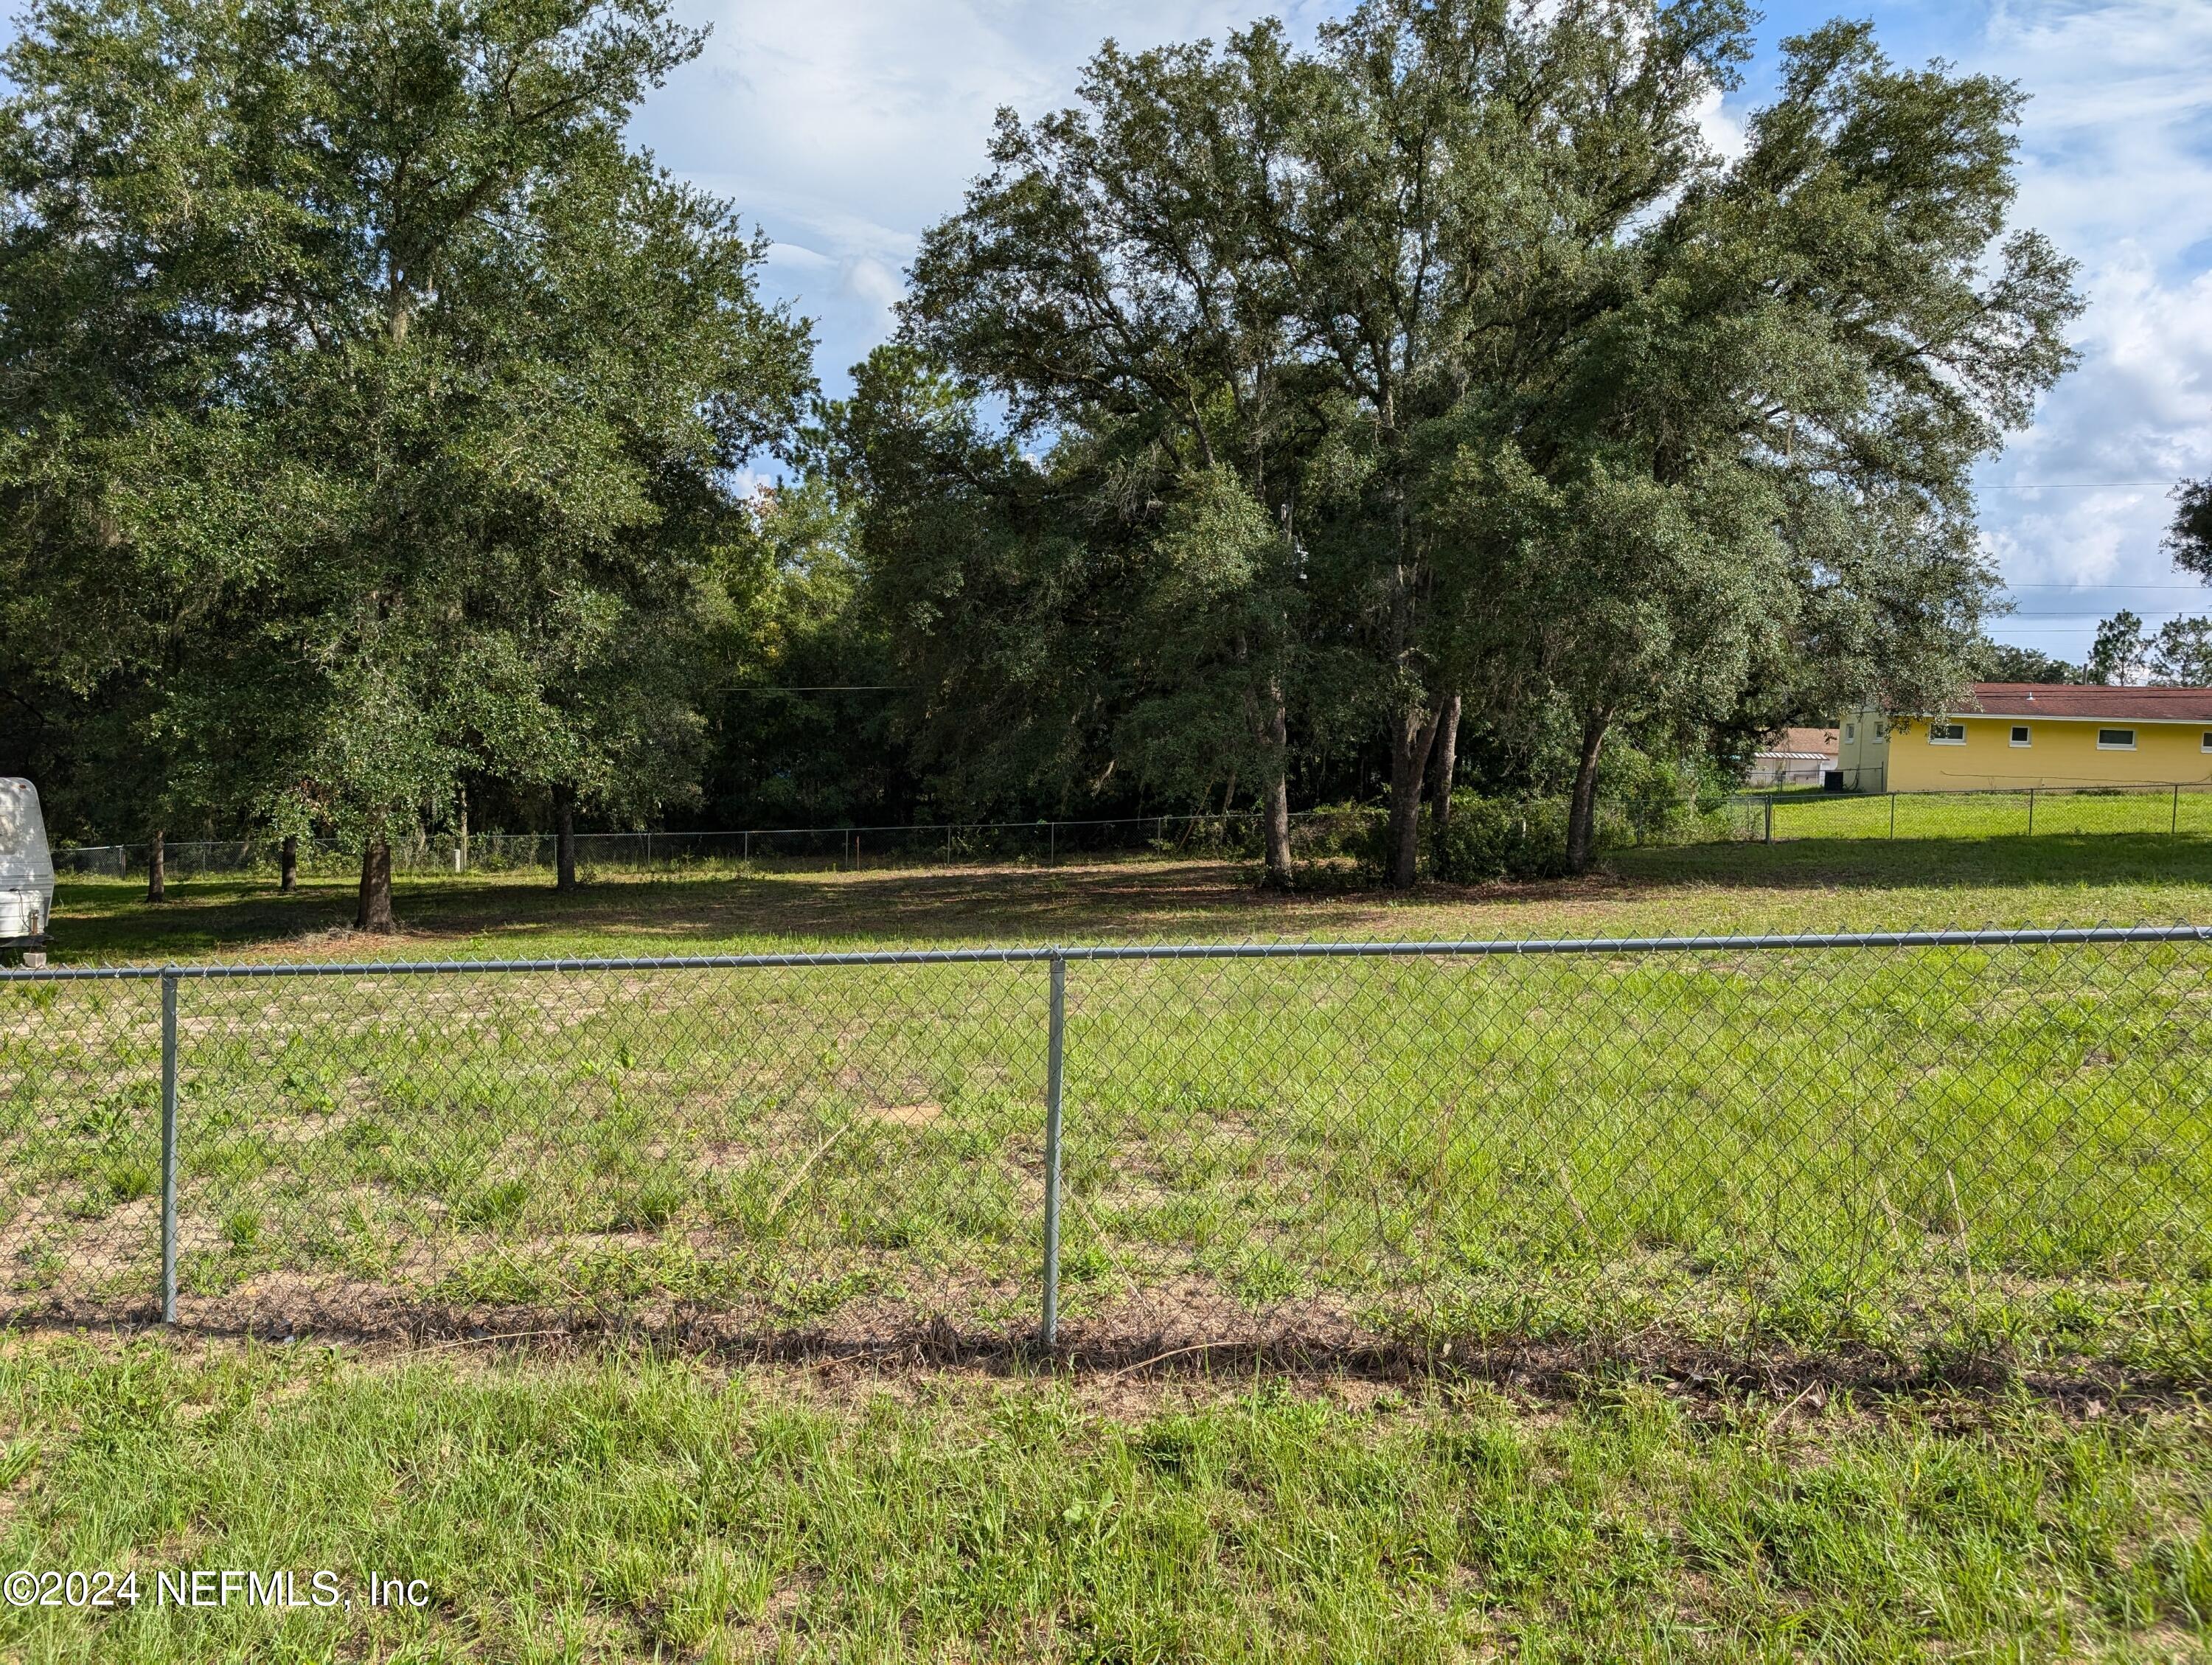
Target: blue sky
(845, 126)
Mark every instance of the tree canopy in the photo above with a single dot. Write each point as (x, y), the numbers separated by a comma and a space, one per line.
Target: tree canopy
(382, 426)
(2189, 540)
(1491, 385)
(390, 404)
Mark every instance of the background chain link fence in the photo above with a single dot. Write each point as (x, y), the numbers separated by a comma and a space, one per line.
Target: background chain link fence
(1352, 830)
(1313, 832)
(2037, 812)
(1910, 1144)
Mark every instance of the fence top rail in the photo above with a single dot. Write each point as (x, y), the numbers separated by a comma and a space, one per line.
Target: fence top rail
(1481, 948)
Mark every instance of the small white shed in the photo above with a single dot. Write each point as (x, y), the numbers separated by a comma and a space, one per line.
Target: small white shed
(26, 866)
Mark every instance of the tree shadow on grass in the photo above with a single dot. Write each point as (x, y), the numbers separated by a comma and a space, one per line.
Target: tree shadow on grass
(617, 913)
(98, 923)
(107, 923)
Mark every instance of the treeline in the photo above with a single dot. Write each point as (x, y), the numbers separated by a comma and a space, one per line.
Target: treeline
(2178, 653)
(1272, 425)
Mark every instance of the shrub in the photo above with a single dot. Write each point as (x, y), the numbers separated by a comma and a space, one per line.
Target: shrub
(1363, 832)
(1490, 838)
(1359, 830)
(1644, 799)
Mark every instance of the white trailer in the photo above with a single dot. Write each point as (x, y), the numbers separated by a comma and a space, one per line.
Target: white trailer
(27, 871)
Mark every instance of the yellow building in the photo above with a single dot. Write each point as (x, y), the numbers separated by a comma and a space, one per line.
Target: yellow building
(2008, 735)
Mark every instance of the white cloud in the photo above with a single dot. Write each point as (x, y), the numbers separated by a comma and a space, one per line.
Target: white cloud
(2139, 409)
(844, 127)
(1721, 129)
(872, 281)
(2117, 167)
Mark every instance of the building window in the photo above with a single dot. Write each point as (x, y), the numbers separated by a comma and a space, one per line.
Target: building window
(2207, 745)
(2115, 739)
(2020, 734)
(1851, 734)
(1946, 734)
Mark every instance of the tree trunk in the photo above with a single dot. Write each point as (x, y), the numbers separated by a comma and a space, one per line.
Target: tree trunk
(375, 913)
(288, 864)
(1275, 800)
(564, 838)
(1582, 808)
(157, 867)
(1412, 734)
(1447, 764)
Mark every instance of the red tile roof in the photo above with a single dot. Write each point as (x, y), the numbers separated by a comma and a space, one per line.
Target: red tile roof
(2058, 699)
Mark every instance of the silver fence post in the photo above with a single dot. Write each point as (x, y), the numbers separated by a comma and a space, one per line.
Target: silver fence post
(2031, 811)
(2176, 827)
(1770, 820)
(1054, 1060)
(169, 1147)
(1892, 815)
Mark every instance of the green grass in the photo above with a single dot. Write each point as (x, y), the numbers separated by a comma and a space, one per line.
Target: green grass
(1665, 1175)
(1799, 884)
(630, 1507)
(1919, 1152)
(2084, 813)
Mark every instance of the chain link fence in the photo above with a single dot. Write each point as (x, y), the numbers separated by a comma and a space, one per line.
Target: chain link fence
(1351, 831)
(2013, 812)
(1995, 1143)
(1045, 843)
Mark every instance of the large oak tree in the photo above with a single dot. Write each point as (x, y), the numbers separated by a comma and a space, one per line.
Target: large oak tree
(424, 396)
(1543, 402)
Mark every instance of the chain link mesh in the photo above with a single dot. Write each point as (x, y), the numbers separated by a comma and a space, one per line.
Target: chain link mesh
(1991, 1144)
(81, 1152)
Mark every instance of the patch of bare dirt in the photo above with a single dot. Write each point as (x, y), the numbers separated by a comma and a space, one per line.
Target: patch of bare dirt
(1118, 1356)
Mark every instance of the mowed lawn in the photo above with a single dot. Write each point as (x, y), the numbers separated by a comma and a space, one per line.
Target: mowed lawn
(1795, 885)
(564, 1499)
(1914, 1150)
(629, 1507)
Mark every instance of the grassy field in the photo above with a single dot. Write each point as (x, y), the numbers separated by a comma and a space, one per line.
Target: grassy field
(2007, 815)
(1664, 1245)
(627, 1507)
(1915, 1151)
(1802, 883)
